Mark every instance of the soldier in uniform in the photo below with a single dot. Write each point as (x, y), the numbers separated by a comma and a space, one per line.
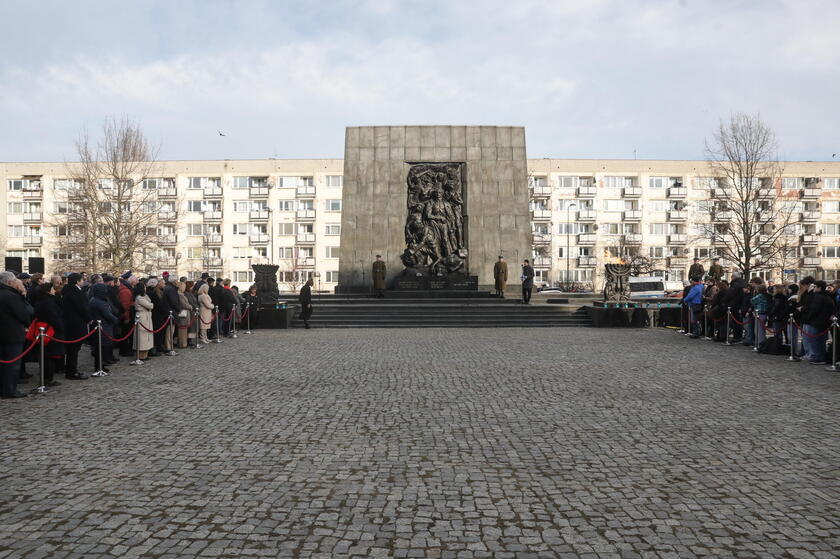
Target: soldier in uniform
(500, 272)
(716, 270)
(379, 277)
(696, 271)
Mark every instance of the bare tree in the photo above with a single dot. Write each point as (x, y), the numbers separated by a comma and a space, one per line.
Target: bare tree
(110, 220)
(749, 219)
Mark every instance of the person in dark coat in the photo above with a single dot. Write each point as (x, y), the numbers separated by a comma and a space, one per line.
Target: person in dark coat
(696, 271)
(305, 300)
(777, 317)
(253, 302)
(15, 317)
(227, 302)
(76, 319)
(733, 300)
(48, 310)
(816, 316)
(527, 281)
(170, 292)
(378, 275)
(160, 313)
(100, 310)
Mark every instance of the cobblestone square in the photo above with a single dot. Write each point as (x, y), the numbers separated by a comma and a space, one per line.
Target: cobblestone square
(505, 443)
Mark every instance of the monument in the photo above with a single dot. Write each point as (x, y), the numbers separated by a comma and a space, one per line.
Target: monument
(439, 203)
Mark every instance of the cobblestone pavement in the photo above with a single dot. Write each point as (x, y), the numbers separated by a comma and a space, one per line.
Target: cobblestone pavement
(422, 443)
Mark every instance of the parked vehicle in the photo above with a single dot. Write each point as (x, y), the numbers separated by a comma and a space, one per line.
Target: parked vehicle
(646, 286)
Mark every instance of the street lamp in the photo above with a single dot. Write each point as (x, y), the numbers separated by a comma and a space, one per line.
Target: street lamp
(568, 238)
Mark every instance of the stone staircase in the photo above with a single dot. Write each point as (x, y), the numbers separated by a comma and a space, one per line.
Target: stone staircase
(449, 310)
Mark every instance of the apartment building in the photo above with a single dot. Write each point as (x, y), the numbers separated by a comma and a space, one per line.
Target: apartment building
(223, 216)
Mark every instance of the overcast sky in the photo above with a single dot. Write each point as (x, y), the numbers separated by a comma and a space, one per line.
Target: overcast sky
(587, 78)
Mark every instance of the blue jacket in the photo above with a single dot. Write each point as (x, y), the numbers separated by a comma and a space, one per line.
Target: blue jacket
(695, 295)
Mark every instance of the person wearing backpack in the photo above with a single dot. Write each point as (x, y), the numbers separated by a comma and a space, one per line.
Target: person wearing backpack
(761, 307)
(694, 302)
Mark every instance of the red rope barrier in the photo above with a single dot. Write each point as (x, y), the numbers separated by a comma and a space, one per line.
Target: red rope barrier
(27, 350)
(83, 338)
(738, 322)
(155, 331)
(212, 318)
(804, 333)
(229, 316)
(130, 332)
(188, 326)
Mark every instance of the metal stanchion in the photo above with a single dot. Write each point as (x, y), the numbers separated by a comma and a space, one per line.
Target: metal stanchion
(728, 315)
(137, 360)
(101, 372)
(706, 323)
(833, 346)
(248, 316)
(42, 388)
(682, 329)
(755, 333)
(218, 339)
(197, 330)
(170, 335)
(791, 330)
(233, 322)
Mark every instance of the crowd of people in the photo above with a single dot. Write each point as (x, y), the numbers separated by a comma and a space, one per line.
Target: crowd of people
(139, 317)
(792, 319)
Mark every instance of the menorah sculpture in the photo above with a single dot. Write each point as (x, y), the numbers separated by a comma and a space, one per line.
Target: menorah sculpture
(616, 284)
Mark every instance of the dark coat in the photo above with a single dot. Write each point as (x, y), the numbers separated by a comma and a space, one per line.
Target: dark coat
(778, 308)
(734, 297)
(696, 271)
(99, 308)
(378, 274)
(171, 294)
(528, 272)
(305, 297)
(75, 307)
(114, 299)
(227, 300)
(48, 310)
(253, 301)
(161, 311)
(15, 316)
(819, 307)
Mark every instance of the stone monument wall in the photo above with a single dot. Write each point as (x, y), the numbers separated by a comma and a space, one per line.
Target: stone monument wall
(376, 165)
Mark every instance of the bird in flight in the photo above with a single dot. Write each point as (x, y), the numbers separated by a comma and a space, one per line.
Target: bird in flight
(220, 132)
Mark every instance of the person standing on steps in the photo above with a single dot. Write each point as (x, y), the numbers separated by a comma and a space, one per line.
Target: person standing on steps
(500, 275)
(378, 275)
(527, 281)
(305, 300)
(696, 271)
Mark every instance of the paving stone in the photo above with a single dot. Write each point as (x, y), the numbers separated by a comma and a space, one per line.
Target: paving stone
(504, 443)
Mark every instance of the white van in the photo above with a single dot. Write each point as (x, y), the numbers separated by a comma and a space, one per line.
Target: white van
(646, 287)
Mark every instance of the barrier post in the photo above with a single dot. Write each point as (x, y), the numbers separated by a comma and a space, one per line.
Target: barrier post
(218, 339)
(728, 314)
(101, 372)
(706, 323)
(42, 388)
(197, 330)
(791, 329)
(755, 333)
(682, 329)
(233, 321)
(833, 346)
(248, 316)
(171, 335)
(137, 360)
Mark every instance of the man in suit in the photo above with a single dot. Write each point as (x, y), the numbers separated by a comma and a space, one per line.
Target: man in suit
(500, 275)
(527, 281)
(76, 317)
(378, 276)
(305, 300)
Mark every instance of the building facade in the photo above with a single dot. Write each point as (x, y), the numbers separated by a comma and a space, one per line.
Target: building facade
(222, 216)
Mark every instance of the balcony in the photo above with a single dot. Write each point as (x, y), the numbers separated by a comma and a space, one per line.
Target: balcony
(677, 192)
(587, 239)
(809, 239)
(167, 262)
(587, 191)
(633, 215)
(169, 239)
(632, 191)
(586, 215)
(678, 239)
(810, 216)
(677, 215)
(306, 262)
(33, 191)
(211, 261)
(587, 261)
(167, 216)
(722, 216)
(542, 262)
(33, 241)
(677, 262)
(212, 191)
(258, 215)
(33, 216)
(260, 191)
(213, 239)
(541, 192)
(809, 193)
(259, 238)
(541, 215)
(632, 239)
(167, 192)
(305, 192)
(542, 239)
(305, 238)
(811, 261)
(305, 214)
(765, 193)
(212, 215)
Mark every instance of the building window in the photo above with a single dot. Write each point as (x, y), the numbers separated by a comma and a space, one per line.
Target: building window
(194, 205)
(331, 277)
(333, 205)
(241, 228)
(831, 252)
(15, 231)
(335, 180)
(792, 183)
(195, 252)
(241, 205)
(288, 182)
(64, 184)
(285, 228)
(241, 182)
(831, 183)
(286, 205)
(332, 229)
(286, 253)
(195, 229)
(306, 181)
(657, 228)
(241, 252)
(831, 229)
(831, 207)
(332, 252)
(243, 276)
(15, 207)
